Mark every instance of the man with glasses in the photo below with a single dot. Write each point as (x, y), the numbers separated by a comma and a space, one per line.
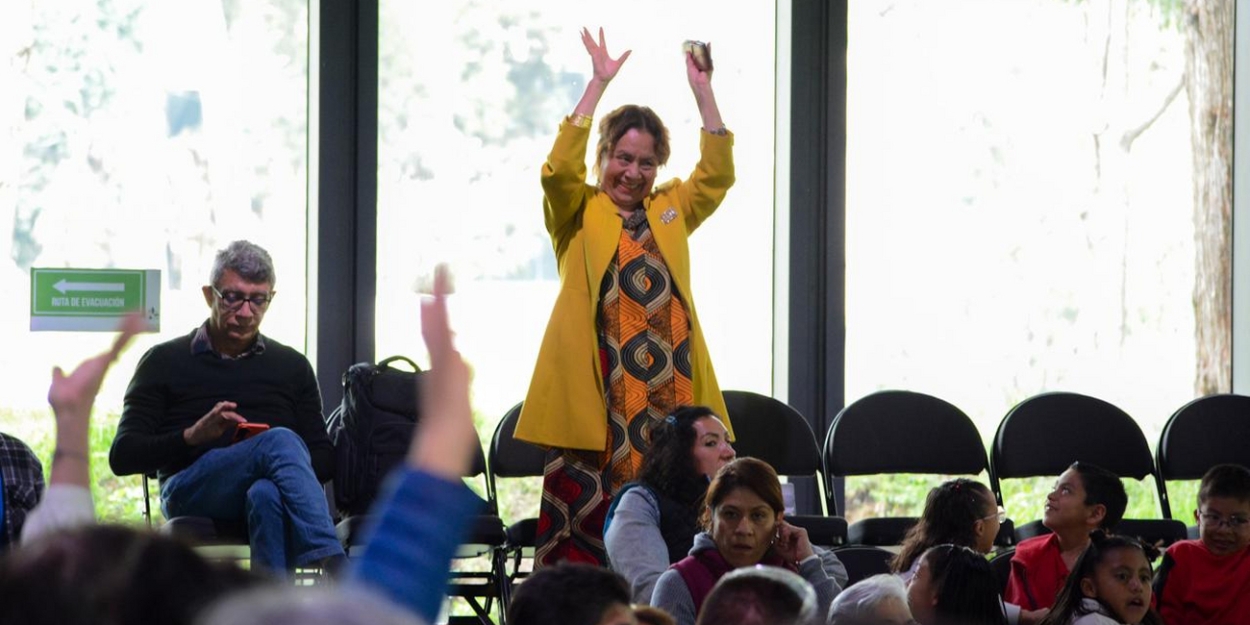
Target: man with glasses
(195, 406)
(1207, 581)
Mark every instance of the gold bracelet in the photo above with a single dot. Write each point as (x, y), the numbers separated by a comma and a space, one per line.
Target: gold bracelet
(581, 121)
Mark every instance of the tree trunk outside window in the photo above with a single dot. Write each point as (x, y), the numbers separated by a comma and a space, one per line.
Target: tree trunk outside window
(1209, 80)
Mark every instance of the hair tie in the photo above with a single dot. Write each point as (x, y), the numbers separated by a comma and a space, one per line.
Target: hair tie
(671, 420)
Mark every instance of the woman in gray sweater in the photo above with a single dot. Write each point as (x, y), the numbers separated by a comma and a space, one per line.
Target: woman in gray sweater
(653, 521)
(743, 526)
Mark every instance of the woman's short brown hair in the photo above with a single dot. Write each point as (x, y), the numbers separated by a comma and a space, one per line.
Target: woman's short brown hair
(620, 121)
(752, 474)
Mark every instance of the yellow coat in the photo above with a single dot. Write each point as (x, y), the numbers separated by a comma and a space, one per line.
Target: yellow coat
(565, 406)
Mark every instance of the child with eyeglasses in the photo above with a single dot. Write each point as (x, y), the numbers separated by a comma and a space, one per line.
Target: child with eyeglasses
(1207, 581)
(961, 512)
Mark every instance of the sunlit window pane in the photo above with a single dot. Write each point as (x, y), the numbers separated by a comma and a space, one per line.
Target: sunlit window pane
(1020, 207)
(145, 135)
(470, 98)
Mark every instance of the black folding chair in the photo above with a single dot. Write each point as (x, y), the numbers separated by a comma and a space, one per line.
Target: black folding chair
(900, 432)
(515, 459)
(485, 592)
(863, 561)
(214, 538)
(1044, 434)
(773, 431)
(1205, 432)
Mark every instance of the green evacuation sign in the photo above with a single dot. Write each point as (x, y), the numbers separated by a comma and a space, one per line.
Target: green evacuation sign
(92, 299)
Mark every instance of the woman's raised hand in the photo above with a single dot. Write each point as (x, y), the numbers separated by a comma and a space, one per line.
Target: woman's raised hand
(605, 66)
(698, 77)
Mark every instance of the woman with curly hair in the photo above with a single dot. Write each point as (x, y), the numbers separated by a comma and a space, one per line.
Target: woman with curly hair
(653, 520)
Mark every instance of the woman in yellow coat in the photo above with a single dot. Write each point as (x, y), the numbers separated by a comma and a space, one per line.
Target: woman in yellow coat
(623, 347)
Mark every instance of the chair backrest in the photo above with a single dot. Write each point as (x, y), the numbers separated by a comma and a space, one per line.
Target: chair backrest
(902, 432)
(510, 457)
(1001, 563)
(863, 561)
(1205, 432)
(773, 431)
(1044, 434)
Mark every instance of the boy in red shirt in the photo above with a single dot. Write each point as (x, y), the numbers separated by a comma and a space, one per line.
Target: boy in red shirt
(1207, 581)
(1086, 497)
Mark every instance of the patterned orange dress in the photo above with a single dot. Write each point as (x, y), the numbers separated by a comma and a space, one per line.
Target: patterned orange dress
(644, 348)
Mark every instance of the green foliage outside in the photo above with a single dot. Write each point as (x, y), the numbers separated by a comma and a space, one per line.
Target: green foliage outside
(117, 499)
(904, 495)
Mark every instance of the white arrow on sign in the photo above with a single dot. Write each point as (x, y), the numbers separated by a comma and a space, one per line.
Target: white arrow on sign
(64, 286)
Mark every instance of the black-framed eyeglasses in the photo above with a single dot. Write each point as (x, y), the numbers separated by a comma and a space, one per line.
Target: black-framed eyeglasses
(233, 300)
(1213, 520)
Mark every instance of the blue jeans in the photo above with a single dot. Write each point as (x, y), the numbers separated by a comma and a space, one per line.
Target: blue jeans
(267, 481)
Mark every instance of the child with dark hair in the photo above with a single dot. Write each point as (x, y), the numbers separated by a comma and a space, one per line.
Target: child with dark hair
(954, 585)
(1207, 581)
(1109, 585)
(652, 522)
(1085, 497)
(572, 594)
(961, 512)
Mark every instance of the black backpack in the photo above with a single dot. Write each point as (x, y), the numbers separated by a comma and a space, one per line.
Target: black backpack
(371, 429)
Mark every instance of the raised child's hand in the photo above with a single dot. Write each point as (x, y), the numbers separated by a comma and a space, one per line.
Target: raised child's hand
(72, 395)
(446, 443)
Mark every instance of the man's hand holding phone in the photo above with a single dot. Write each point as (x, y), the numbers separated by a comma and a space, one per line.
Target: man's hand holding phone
(244, 431)
(213, 425)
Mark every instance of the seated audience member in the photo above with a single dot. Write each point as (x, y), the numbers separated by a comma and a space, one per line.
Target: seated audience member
(21, 487)
(743, 526)
(877, 600)
(760, 595)
(1207, 581)
(95, 574)
(110, 575)
(959, 512)
(954, 586)
(68, 502)
(1086, 497)
(652, 522)
(648, 615)
(571, 594)
(186, 403)
(1109, 585)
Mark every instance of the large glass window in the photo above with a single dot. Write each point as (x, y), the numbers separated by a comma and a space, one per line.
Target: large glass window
(1021, 213)
(145, 135)
(471, 94)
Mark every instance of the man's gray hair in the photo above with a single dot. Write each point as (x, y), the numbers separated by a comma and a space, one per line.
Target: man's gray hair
(272, 605)
(860, 601)
(760, 595)
(247, 259)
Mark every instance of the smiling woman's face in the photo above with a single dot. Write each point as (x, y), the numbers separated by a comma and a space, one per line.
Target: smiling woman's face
(630, 169)
(743, 526)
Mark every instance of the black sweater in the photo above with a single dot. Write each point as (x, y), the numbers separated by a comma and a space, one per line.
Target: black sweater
(172, 389)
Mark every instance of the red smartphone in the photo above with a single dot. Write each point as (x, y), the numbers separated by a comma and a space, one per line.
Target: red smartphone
(244, 431)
